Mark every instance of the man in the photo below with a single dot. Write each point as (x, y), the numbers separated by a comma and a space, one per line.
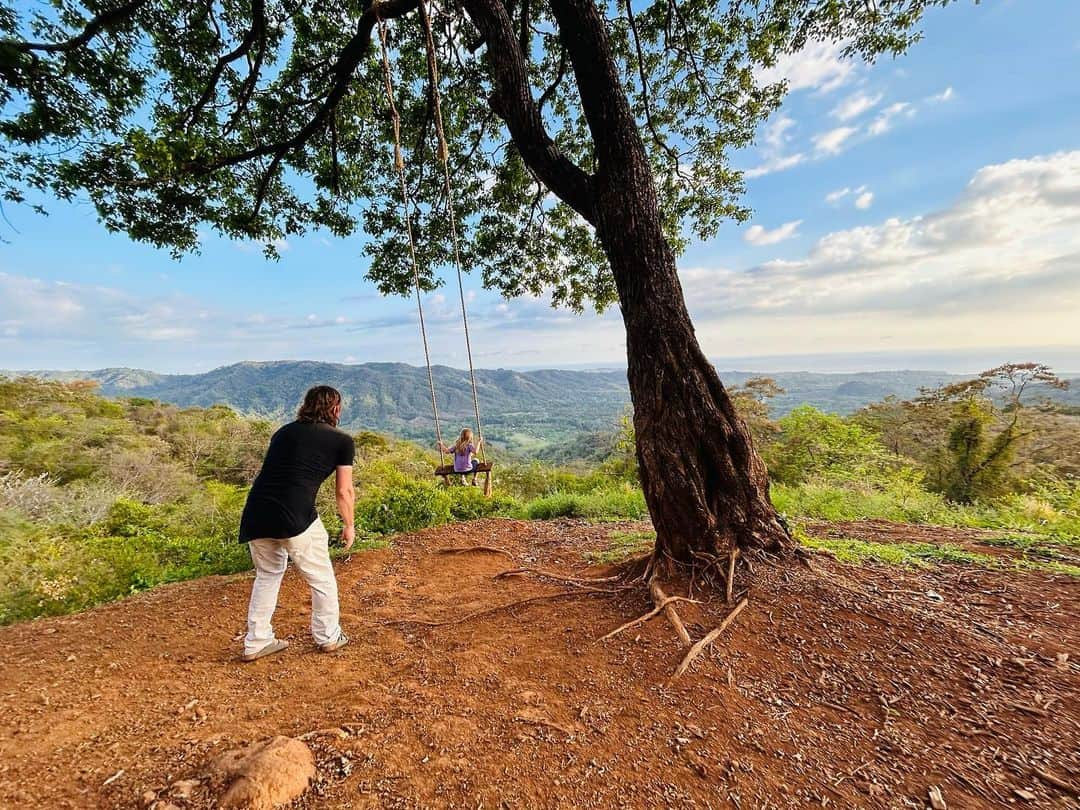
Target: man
(280, 523)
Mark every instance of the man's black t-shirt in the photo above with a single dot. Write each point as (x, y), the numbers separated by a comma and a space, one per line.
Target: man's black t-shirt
(281, 503)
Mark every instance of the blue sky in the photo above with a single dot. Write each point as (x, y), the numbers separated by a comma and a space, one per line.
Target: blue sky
(919, 212)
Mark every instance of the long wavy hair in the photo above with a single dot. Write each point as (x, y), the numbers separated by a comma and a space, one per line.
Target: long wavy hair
(320, 406)
(464, 440)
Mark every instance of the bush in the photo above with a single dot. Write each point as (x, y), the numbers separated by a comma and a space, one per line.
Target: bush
(612, 503)
(816, 446)
(824, 501)
(469, 503)
(405, 508)
(47, 571)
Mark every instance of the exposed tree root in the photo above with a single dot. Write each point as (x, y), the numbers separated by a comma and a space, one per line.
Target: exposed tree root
(732, 557)
(1057, 781)
(471, 549)
(554, 575)
(661, 598)
(487, 611)
(642, 619)
(708, 639)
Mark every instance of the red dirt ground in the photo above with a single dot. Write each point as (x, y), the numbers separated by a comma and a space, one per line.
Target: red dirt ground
(840, 686)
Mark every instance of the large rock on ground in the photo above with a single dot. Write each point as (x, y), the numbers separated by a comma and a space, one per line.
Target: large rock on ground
(264, 774)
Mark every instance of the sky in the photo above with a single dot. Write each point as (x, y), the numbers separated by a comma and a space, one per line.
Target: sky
(920, 212)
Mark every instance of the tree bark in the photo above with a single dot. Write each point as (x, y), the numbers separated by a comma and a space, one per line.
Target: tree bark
(706, 488)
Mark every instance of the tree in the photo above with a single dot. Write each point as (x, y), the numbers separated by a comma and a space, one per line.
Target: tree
(988, 422)
(813, 445)
(751, 400)
(586, 139)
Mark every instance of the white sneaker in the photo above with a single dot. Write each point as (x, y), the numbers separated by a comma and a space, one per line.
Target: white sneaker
(275, 646)
(331, 646)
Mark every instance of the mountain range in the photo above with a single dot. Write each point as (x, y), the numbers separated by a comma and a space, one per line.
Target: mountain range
(527, 412)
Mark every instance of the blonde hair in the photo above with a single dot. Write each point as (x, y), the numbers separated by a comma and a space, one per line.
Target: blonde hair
(463, 440)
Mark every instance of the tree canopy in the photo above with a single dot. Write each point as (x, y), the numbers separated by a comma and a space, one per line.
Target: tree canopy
(261, 119)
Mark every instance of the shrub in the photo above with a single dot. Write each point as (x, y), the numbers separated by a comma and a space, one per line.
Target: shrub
(404, 508)
(612, 503)
(816, 446)
(469, 503)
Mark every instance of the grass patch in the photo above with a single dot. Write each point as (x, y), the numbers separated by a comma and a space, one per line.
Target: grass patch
(1049, 567)
(923, 555)
(1052, 521)
(616, 503)
(623, 546)
(916, 555)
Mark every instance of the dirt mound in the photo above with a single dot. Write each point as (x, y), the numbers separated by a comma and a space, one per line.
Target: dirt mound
(265, 774)
(839, 687)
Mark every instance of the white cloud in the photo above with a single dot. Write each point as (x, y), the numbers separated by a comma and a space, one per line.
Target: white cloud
(775, 136)
(1006, 252)
(943, 96)
(855, 105)
(757, 235)
(832, 142)
(776, 164)
(819, 66)
(252, 246)
(863, 196)
(884, 122)
(775, 133)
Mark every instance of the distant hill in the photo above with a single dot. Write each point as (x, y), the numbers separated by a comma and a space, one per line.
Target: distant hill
(526, 411)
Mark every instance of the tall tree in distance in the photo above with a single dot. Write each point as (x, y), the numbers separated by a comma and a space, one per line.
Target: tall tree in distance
(987, 422)
(589, 141)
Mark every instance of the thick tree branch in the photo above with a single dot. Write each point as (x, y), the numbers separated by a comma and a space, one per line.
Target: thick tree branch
(257, 30)
(525, 36)
(607, 111)
(94, 26)
(513, 102)
(348, 60)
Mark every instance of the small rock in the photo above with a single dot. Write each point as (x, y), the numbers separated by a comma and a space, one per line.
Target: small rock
(1026, 795)
(149, 798)
(937, 800)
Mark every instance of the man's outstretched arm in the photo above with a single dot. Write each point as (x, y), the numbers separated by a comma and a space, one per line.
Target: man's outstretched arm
(346, 504)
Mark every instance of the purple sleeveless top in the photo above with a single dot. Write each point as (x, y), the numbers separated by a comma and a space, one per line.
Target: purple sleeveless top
(463, 459)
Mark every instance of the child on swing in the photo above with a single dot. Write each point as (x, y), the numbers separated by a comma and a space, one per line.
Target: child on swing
(463, 451)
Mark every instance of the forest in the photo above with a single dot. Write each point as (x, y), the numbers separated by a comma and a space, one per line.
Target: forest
(104, 497)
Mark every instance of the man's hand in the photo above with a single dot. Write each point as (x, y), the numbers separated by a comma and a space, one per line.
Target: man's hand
(348, 536)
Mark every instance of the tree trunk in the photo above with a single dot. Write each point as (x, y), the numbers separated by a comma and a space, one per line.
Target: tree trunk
(706, 488)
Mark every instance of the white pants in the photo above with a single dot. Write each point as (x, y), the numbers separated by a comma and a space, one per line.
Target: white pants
(310, 553)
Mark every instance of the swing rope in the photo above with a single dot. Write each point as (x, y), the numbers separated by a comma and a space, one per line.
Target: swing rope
(399, 164)
(444, 158)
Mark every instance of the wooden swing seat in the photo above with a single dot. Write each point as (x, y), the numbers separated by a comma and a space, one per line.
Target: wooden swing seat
(448, 469)
(484, 467)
